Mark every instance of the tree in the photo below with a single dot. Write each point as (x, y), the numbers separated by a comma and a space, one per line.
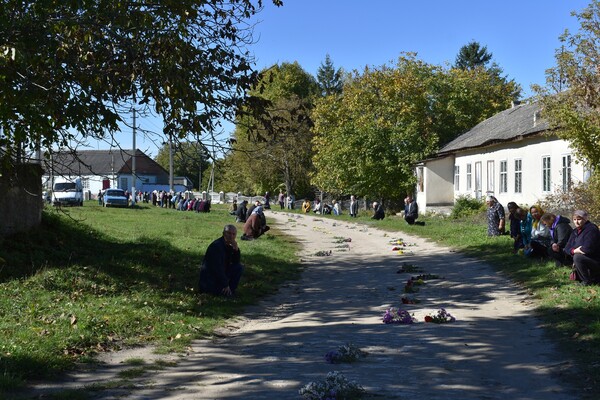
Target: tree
(367, 141)
(471, 56)
(275, 150)
(571, 97)
(328, 78)
(190, 159)
(71, 70)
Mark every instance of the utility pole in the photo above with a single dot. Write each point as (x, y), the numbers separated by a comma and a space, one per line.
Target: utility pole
(133, 178)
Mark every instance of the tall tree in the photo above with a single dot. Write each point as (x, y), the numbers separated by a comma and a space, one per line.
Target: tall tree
(328, 78)
(367, 141)
(276, 150)
(71, 70)
(190, 159)
(471, 56)
(571, 97)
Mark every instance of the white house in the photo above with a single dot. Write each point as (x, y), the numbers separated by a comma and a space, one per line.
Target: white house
(512, 156)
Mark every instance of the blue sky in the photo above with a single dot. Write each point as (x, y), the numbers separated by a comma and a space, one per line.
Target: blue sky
(521, 35)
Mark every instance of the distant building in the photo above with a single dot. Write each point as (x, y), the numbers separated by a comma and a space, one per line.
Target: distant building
(101, 169)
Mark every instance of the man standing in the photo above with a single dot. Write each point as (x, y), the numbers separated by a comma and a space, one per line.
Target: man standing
(221, 270)
(353, 211)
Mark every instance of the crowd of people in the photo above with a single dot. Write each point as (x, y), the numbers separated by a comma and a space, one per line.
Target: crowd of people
(546, 235)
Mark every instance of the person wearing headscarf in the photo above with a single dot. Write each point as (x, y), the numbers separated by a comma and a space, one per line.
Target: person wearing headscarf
(584, 247)
(495, 216)
(255, 225)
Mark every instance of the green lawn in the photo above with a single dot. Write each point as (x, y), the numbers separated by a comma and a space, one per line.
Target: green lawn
(93, 278)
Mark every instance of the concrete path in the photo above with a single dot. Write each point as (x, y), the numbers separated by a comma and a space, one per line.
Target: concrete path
(496, 349)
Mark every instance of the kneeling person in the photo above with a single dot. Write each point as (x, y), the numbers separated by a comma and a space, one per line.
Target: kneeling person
(221, 270)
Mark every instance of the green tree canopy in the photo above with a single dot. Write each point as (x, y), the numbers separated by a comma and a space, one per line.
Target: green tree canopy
(328, 78)
(571, 97)
(190, 159)
(471, 56)
(367, 141)
(78, 65)
(274, 151)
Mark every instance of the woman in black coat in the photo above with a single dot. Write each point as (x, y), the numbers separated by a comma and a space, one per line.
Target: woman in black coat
(584, 247)
(560, 232)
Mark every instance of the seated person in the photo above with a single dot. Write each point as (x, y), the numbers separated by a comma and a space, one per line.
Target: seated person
(317, 207)
(233, 207)
(336, 208)
(560, 231)
(240, 214)
(540, 235)
(255, 225)
(221, 270)
(306, 206)
(584, 247)
(515, 226)
(411, 210)
(378, 211)
(326, 209)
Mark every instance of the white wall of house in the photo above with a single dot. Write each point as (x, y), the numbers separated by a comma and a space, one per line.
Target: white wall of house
(522, 171)
(435, 183)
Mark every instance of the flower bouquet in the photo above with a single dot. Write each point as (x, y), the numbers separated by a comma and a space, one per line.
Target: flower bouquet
(397, 316)
(340, 239)
(323, 253)
(345, 354)
(335, 387)
(441, 317)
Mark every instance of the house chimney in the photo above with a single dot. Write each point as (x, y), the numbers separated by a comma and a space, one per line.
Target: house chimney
(514, 103)
(536, 117)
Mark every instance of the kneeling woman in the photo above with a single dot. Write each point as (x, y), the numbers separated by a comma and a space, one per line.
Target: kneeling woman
(584, 247)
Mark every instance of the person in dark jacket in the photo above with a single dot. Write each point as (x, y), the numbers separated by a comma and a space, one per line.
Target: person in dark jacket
(515, 226)
(221, 270)
(378, 211)
(584, 247)
(411, 210)
(560, 231)
(240, 214)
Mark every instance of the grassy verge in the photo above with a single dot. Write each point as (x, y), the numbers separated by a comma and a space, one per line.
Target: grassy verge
(93, 279)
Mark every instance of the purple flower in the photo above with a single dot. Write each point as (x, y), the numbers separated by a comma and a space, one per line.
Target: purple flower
(332, 357)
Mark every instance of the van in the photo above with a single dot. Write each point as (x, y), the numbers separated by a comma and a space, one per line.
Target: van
(67, 191)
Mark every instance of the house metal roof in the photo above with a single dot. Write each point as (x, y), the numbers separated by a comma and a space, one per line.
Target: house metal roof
(102, 163)
(511, 124)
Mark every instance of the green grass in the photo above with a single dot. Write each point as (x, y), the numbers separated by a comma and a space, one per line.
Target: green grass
(92, 279)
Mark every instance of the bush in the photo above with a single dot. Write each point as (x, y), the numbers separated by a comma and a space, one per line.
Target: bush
(466, 206)
(583, 196)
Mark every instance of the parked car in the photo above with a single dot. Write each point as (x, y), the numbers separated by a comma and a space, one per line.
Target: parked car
(115, 198)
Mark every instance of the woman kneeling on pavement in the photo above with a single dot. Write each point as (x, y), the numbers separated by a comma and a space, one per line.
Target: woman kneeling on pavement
(584, 247)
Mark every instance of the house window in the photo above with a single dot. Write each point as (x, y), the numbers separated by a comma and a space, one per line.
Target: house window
(420, 179)
(456, 177)
(85, 182)
(478, 180)
(546, 181)
(503, 177)
(490, 177)
(124, 184)
(469, 177)
(566, 173)
(518, 176)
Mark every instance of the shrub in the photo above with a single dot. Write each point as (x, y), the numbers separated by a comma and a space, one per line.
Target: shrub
(583, 196)
(465, 206)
